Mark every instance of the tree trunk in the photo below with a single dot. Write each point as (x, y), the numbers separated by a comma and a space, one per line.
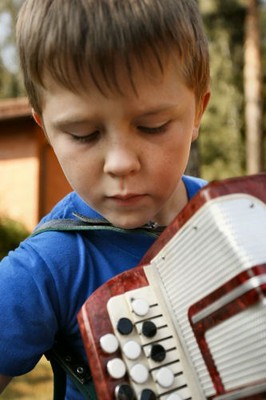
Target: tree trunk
(253, 90)
(193, 167)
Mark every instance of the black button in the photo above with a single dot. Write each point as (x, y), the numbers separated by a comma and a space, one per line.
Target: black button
(124, 326)
(148, 394)
(149, 329)
(158, 353)
(124, 392)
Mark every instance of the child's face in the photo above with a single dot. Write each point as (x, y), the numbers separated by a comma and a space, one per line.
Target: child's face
(125, 154)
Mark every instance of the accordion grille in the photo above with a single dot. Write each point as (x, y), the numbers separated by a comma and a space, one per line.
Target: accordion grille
(238, 346)
(224, 238)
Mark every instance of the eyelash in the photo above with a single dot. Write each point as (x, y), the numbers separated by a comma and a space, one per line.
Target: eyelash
(94, 135)
(158, 129)
(91, 137)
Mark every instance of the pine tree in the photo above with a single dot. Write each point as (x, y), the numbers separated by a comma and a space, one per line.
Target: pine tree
(253, 89)
(10, 80)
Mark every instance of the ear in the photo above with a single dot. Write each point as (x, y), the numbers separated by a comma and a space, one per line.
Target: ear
(201, 107)
(37, 118)
(39, 121)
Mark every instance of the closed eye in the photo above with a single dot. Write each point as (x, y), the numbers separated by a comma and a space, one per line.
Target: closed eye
(91, 137)
(155, 129)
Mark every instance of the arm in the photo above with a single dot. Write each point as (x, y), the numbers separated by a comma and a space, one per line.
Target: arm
(28, 322)
(4, 381)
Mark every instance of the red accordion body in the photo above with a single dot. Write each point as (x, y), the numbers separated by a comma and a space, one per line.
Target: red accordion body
(190, 321)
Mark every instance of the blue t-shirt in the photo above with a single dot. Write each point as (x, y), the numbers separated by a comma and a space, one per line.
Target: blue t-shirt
(46, 280)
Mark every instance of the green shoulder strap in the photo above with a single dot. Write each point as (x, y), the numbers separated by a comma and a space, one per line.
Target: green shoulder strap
(82, 223)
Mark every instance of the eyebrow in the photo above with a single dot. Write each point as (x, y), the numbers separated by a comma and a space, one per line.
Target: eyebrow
(159, 110)
(66, 121)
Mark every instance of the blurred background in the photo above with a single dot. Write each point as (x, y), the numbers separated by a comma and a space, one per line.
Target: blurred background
(231, 143)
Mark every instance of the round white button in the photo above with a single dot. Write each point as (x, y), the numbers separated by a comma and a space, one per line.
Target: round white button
(140, 307)
(139, 373)
(165, 377)
(174, 396)
(132, 350)
(109, 343)
(116, 368)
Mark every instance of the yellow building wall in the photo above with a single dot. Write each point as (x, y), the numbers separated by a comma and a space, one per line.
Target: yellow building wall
(19, 173)
(19, 190)
(31, 179)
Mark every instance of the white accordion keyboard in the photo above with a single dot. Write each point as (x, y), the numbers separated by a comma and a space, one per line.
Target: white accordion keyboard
(148, 343)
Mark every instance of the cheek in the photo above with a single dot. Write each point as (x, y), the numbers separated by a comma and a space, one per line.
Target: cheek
(72, 167)
(84, 175)
(175, 155)
(171, 165)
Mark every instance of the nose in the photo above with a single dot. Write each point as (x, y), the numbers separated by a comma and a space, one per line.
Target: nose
(121, 160)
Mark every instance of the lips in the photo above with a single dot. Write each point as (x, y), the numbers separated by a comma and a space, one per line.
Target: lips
(128, 199)
(125, 196)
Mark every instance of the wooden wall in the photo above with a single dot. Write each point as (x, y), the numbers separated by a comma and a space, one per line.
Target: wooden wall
(31, 179)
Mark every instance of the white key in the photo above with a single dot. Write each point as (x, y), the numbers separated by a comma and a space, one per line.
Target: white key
(165, 377)
(116, 368)
(139, 373)
(132, 350)
(174, 396)
(109, 343)
(140, 307)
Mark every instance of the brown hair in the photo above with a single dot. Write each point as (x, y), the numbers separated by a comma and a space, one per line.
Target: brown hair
(66, 38)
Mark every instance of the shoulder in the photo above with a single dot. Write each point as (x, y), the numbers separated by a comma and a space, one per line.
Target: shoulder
(193, 185)
(54, 243)
(67, 207)
(46, 257)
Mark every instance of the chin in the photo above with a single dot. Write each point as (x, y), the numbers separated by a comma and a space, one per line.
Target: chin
(128, 226)
(127, 223)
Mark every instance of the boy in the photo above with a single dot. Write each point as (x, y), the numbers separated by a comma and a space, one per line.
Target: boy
(119, 88)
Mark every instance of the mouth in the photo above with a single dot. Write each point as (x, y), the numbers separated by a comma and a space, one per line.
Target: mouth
(129, 199)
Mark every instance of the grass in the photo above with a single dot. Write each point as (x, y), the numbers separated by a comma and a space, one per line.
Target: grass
(37, 384)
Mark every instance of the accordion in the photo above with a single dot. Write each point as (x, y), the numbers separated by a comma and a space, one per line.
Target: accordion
(189, 322)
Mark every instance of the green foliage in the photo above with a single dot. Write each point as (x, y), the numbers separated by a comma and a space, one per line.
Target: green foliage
(221, 139)
(11, 84)
(11, 234)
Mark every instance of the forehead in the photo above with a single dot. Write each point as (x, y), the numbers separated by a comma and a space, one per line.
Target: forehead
(151, 92)
(121, 78)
